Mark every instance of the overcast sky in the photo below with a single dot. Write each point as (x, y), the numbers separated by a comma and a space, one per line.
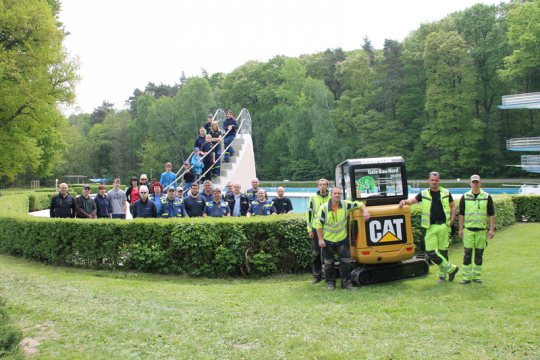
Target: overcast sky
(124, 44)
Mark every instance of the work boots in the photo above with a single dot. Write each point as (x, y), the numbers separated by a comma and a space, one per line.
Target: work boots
(331, 286)
(451, 276)
(316, 279)
(347, 285)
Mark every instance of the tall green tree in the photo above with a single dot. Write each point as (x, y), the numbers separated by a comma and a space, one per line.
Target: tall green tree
(36, 75)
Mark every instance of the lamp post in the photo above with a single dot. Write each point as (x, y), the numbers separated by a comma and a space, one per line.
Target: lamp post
(151, 174)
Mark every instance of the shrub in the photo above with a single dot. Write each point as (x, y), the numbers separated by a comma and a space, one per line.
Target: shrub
(94, 188)
(10, 336)
(527, 207)
(39, 201)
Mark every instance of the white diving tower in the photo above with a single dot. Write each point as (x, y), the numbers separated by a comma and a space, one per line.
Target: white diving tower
(531, 101)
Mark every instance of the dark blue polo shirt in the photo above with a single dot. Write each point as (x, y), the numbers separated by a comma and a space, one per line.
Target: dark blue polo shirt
(195, 206)
(283, 206)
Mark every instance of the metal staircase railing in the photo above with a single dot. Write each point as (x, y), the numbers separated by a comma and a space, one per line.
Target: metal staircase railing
(523, 142)
(244, 127)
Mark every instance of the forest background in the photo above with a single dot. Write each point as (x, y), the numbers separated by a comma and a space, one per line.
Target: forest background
(431, 98)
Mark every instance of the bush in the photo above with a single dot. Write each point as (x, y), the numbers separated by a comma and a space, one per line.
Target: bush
(10, 336)
(14, 204)
(233, 246)
(527, 207)
(39, 201)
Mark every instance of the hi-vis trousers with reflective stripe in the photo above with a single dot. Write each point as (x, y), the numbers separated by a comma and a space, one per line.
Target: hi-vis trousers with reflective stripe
(436, 241)
(474, 242)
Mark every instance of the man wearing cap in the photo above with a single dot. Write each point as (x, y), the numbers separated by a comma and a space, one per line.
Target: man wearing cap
(475, 208)
(180, 193)
(84, 205)
(62, 204)
(208, 124)
(172, 207)
(438, 216)
(144, 207)
(189, 175)
(217, 207)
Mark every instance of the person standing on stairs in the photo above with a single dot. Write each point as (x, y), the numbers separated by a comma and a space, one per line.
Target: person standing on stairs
(230, 125)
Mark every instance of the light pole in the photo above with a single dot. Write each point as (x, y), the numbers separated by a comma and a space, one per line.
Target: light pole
(151, 174)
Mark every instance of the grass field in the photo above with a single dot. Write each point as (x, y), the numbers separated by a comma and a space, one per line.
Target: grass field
(70, 313)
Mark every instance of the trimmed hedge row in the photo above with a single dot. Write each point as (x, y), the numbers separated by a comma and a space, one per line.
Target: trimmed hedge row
(236, 246)
(212, 247)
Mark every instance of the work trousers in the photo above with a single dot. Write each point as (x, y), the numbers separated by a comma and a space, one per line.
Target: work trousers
(119, 216)
(344, 254)
(437, 241)
(473, 242)
(317, 262)
(228, 153)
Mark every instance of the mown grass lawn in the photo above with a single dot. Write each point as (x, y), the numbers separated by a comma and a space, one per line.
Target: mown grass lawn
(111, 315)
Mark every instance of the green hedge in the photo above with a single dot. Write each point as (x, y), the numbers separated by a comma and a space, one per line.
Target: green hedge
(235, 246)
(211, 247)
(527, 207)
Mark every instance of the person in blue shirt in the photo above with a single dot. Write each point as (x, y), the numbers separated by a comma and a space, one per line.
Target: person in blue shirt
(199, 141)
(230, 125)
(282, 203)
(172, 207)
(144, 207)
(217, 207)
(261, 206)
(207, 191)
(103, 204)
(252, 193)
(194, 203)
(197, 163)
(158, 195)
(168, 177)
(208, 124)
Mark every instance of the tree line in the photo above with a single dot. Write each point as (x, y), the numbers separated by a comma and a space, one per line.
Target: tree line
(431, 98)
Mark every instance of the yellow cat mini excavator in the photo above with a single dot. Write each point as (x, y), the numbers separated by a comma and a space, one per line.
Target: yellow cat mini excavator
(382, 249)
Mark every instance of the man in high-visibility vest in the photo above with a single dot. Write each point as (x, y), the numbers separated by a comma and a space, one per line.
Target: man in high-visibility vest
(438, 216)
(332, 230)
(315, 201)
(475, 208)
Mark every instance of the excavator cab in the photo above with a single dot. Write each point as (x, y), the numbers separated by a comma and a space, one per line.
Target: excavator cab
(382, 249)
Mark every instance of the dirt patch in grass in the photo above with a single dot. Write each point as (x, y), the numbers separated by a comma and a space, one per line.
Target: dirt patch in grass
(41, 333)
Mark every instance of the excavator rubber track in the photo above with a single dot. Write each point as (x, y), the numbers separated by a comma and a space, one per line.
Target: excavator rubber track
(367, 275)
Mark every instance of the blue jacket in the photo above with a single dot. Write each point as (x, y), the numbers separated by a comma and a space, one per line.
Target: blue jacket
(103, 206)
(209, 210)
(172, 209)
(234, 123)
(197, 166)
(252, 195)
(167, 178)
(269, 207)
(157, 201)
(144, 209)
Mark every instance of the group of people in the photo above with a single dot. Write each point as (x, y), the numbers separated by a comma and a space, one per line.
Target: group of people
(171, 203)
(327, 216)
